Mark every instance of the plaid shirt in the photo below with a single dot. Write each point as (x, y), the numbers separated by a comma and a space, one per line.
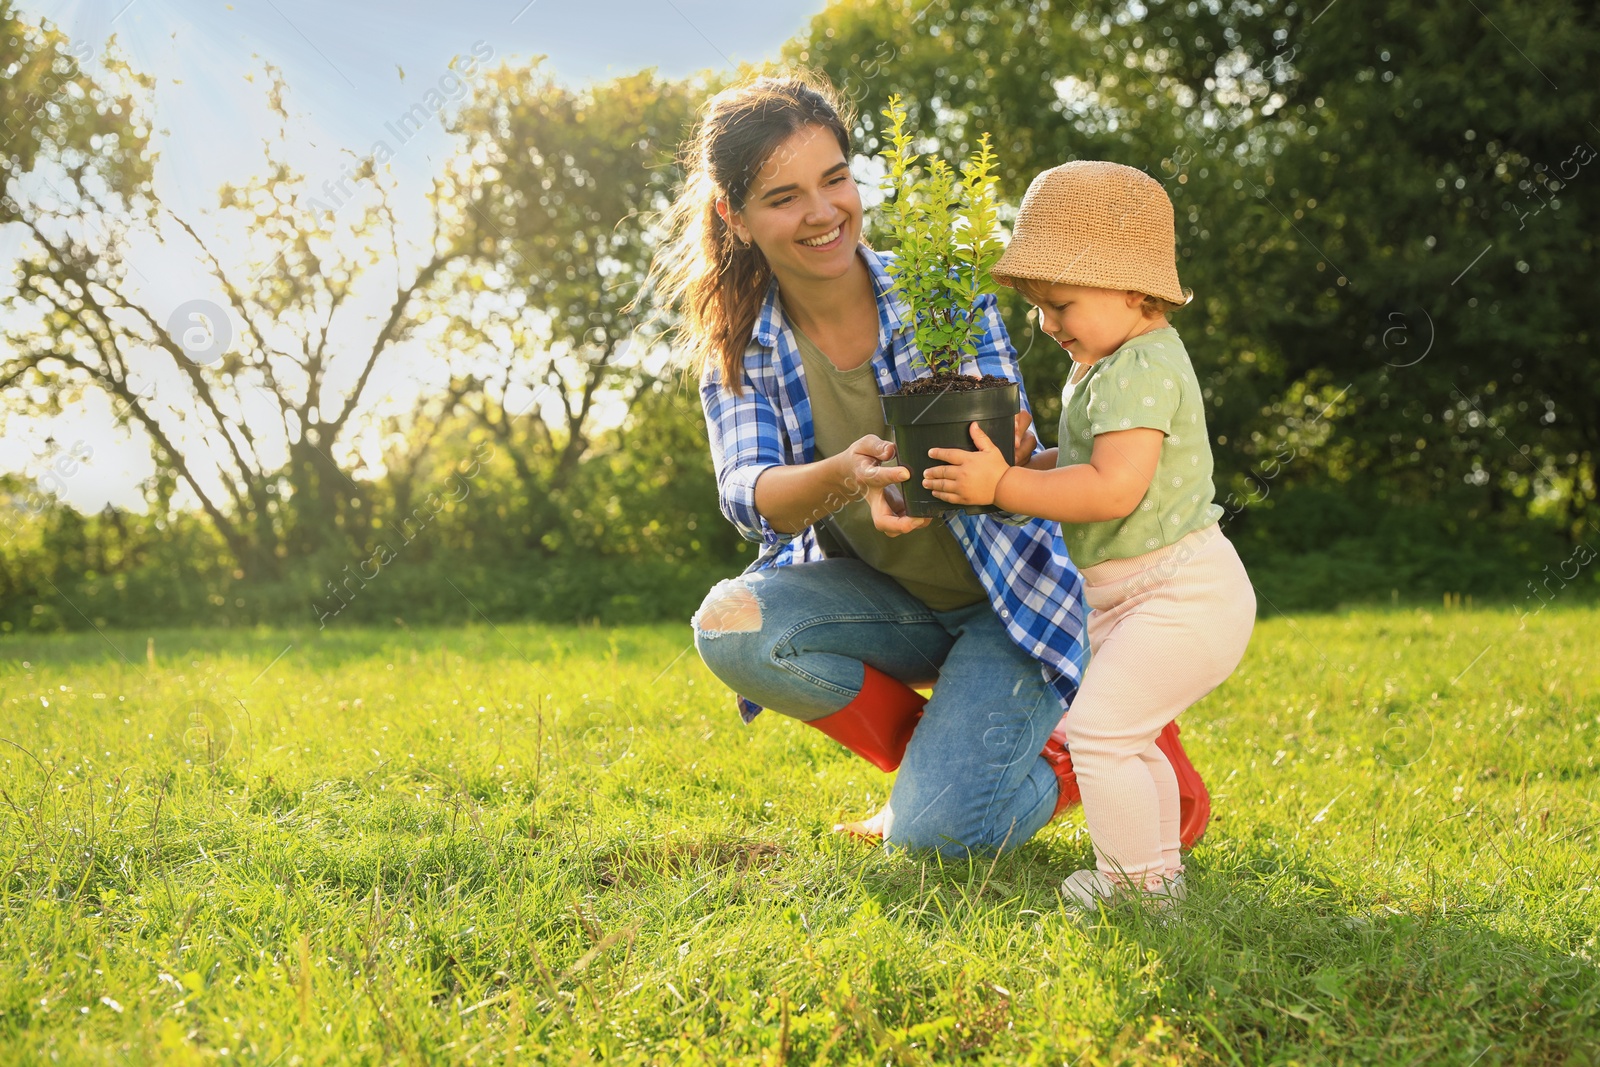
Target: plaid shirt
(1022, 563)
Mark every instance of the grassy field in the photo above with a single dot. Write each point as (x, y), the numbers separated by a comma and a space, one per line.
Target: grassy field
(526, 844)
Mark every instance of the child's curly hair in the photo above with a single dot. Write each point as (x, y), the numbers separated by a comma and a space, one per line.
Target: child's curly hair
(1155, 305)
(1151, 306)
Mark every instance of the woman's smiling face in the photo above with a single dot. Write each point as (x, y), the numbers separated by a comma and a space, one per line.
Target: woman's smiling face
(803, 209)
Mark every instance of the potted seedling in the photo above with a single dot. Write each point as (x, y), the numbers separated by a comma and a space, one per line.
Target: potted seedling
(946, 237)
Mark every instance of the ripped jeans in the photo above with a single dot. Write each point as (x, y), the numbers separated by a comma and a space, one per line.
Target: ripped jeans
(794, 639)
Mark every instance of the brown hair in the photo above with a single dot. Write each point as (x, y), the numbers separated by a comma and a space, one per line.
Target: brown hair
(717, 282)
(1033, 289)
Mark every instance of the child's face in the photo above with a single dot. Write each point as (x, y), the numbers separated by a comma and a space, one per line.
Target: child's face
(1090, 323)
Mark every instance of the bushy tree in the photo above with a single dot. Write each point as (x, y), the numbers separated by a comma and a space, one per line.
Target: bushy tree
(244, 402)
(1386, 213)
(541, 328)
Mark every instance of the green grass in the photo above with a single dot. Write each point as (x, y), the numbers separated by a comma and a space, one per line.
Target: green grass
(534, 844)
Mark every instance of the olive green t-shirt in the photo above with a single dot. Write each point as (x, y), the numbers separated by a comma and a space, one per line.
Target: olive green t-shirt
(928, 563)
(1148, 382)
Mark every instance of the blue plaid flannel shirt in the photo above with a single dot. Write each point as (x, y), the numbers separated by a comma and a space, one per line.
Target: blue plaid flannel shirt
(1022, 563)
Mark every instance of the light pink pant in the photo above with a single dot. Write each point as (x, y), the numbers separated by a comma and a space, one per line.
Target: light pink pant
(1165, 629)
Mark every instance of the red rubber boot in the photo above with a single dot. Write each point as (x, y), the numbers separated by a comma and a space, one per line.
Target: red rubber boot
(1194, 800)
(878, 723)
(1060, 760)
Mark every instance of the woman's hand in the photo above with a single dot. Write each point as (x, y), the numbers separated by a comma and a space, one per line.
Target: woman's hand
(880, 485)
(792, 496)
(970, 477)
(888, 506)
(865, 460)
(1026, 440)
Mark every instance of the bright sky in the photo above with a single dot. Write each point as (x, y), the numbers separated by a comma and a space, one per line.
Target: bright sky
(352, 66)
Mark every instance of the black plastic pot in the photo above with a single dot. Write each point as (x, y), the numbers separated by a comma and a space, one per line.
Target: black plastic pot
(941, 420)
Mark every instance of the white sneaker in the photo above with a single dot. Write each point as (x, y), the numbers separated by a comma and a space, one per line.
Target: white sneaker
(1088, 889)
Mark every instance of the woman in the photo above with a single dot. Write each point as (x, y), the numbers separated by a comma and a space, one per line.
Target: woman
(793, 327)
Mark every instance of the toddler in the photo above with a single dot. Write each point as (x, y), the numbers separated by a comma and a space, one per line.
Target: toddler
(1171, 608)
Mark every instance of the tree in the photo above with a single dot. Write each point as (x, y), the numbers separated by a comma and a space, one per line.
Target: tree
(59, 125)
(539, 320)
(1335, 170)
(250, 427)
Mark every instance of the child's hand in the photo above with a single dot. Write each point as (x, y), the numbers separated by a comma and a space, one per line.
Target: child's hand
(971, 477)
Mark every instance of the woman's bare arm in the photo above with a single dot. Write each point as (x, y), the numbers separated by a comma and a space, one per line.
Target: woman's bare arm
(793, 496)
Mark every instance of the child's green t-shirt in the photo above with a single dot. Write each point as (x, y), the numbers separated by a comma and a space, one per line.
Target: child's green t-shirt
(1148, 382)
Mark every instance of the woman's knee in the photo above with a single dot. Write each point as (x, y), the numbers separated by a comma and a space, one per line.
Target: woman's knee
(727, 629)
(952, 821)
(951, 838)
(732, 606)
(931, 830)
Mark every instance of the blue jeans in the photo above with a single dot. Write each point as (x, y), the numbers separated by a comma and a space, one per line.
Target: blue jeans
(794, 639)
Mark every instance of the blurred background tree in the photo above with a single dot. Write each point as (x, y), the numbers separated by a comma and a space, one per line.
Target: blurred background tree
(538, 322)
(1387, 215)
(250, 431)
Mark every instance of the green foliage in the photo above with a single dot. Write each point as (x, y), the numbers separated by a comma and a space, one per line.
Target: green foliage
(56, 119)
(568, 177)
(636, 536)
(1396, 413)
(1315, 547)
(540, 244)
(1335, 171)
(542, 844)
(946, 243)
(266, 481)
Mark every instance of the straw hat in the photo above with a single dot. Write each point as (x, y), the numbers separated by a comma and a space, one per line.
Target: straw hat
(1098, 224)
